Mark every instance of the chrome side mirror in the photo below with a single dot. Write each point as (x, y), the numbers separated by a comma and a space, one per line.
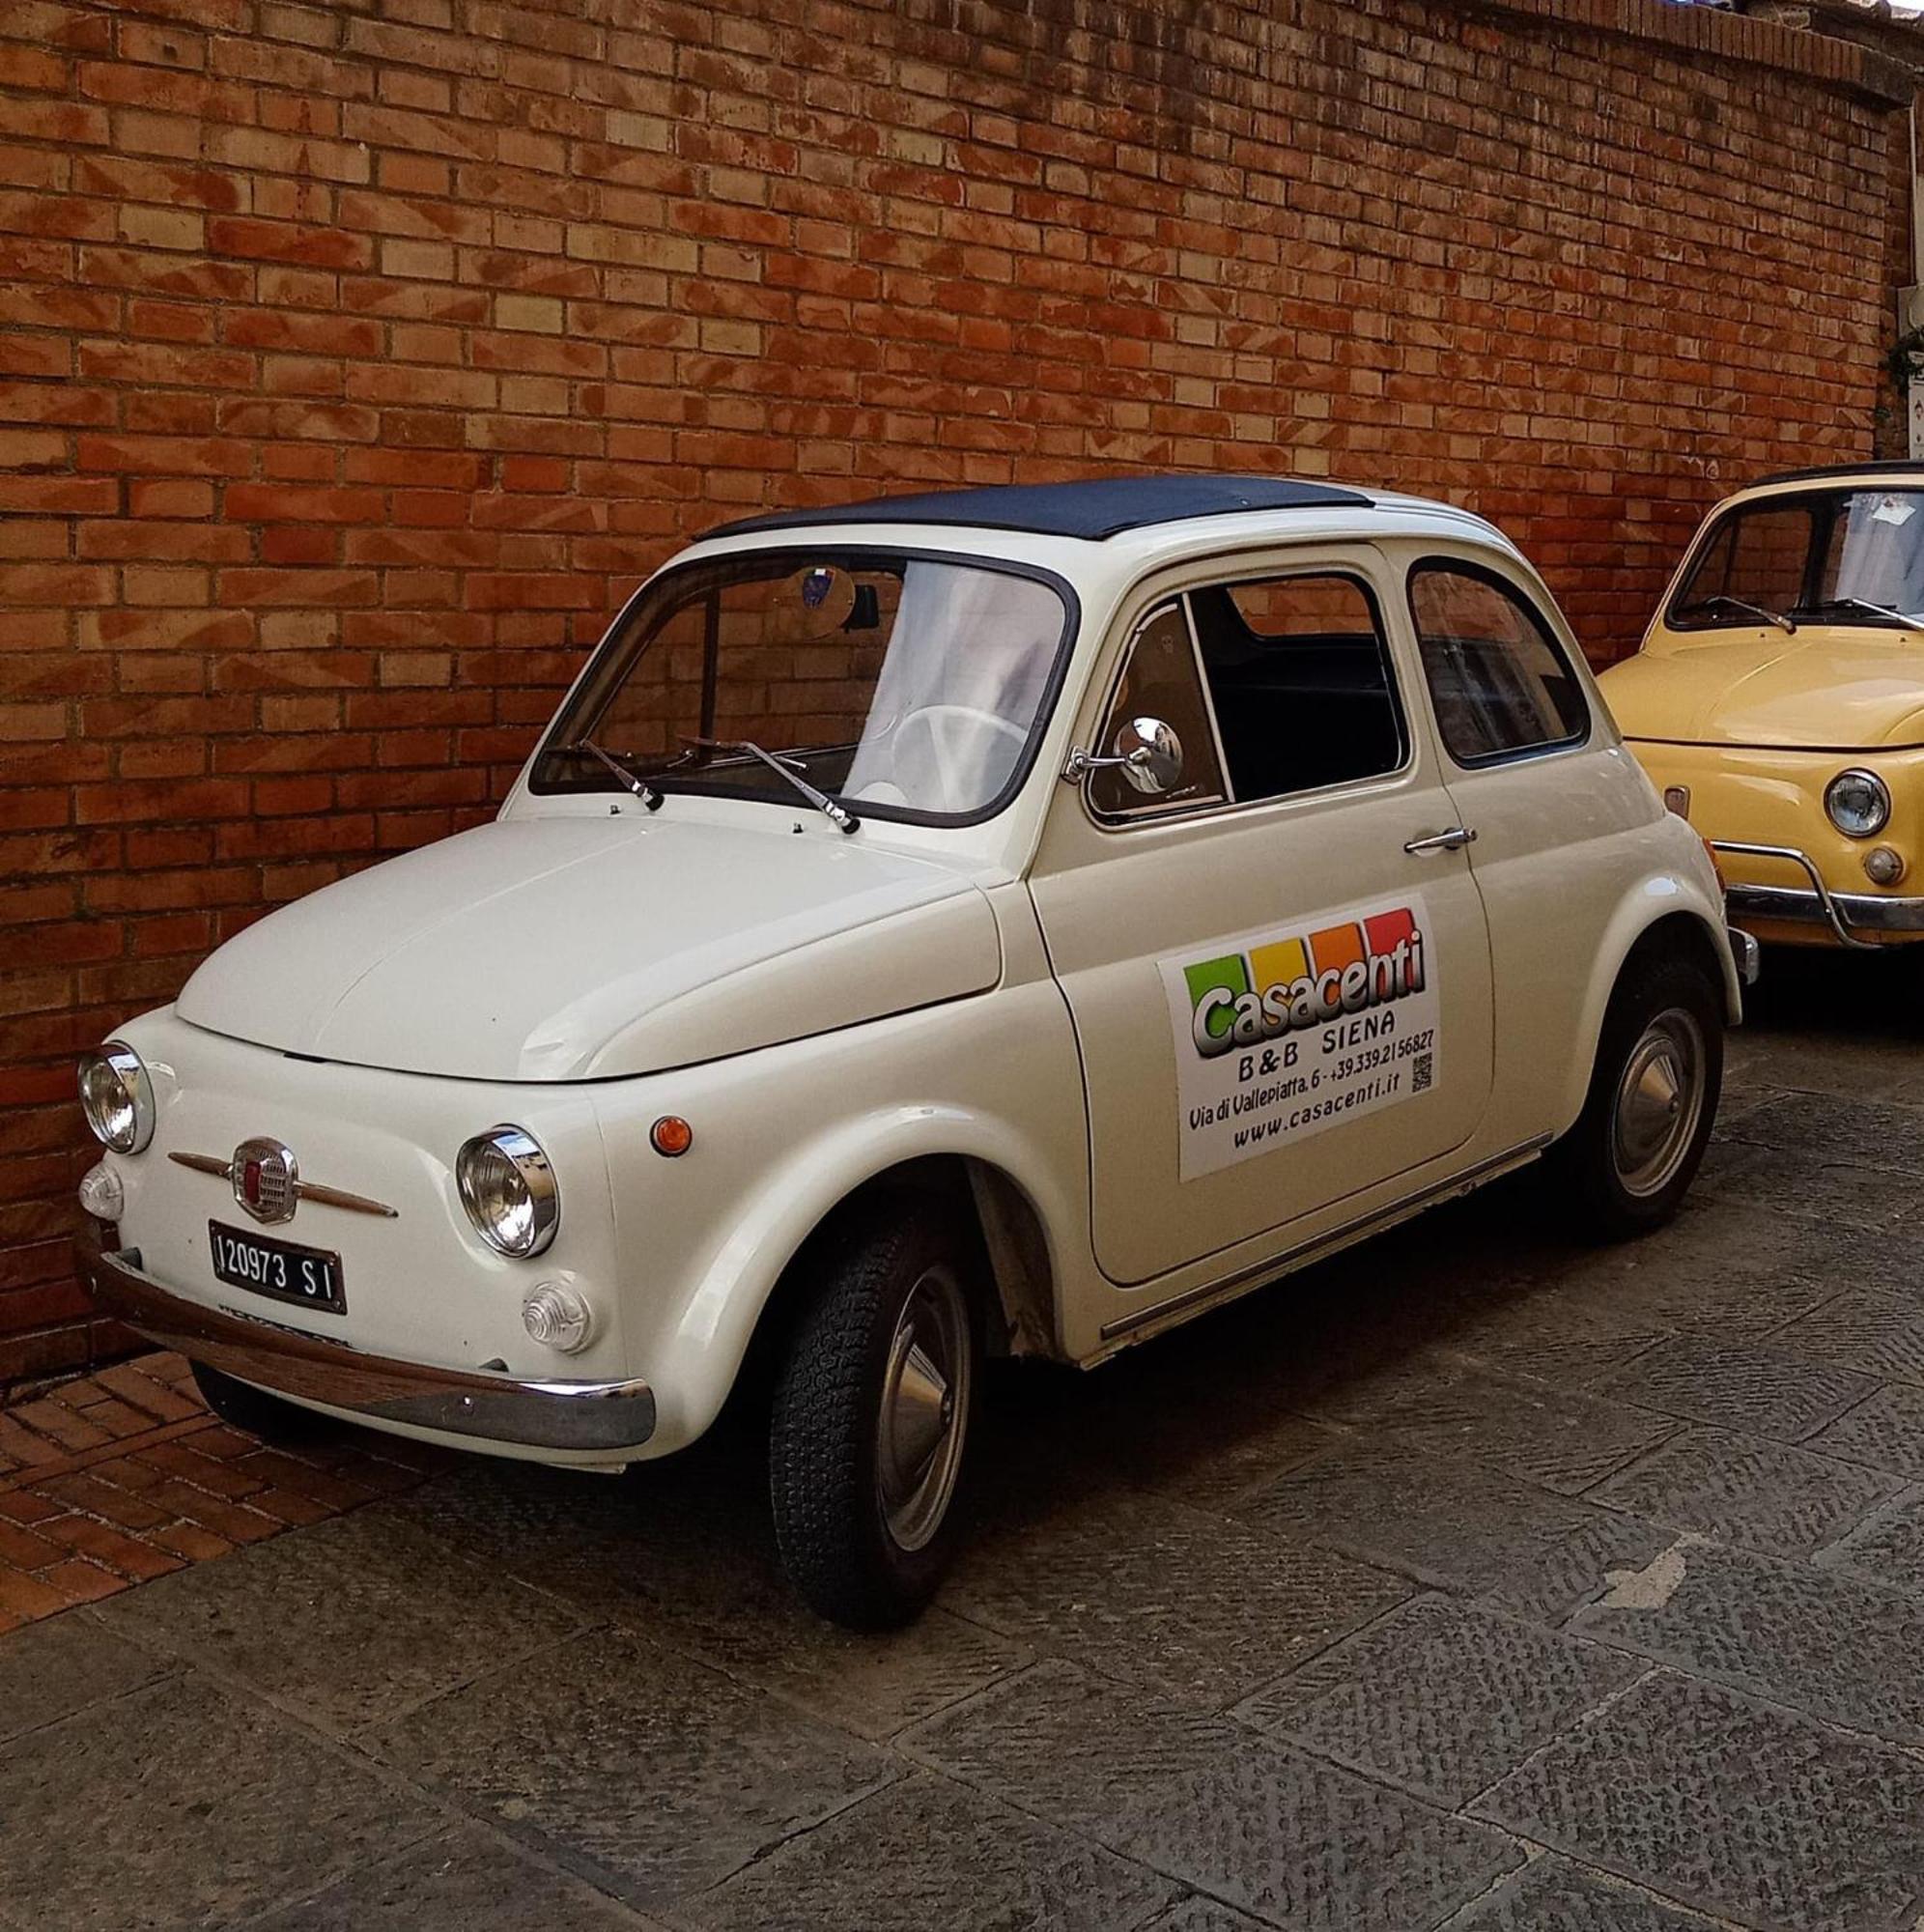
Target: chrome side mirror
(1150, 754)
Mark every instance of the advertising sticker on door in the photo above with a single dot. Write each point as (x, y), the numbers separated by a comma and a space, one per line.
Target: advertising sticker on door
(1281, 1033)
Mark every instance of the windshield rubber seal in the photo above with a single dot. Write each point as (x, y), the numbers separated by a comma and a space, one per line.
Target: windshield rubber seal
(834, 553)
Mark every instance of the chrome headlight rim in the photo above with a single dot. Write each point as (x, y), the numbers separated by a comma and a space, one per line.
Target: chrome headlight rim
(116, 1061)
(1880, 814)
(520, 1228)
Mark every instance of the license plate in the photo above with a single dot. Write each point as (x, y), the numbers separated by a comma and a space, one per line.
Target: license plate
(283, 1270)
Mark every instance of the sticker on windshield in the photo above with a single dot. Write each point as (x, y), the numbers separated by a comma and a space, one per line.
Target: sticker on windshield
(1893, 510)
(1281, 1033)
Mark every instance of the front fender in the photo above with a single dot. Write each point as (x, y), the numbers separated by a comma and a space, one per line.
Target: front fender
(1664, 895)
(720, 1315)
(783, 1136)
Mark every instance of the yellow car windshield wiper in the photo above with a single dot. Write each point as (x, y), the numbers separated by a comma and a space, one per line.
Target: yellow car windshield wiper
(1870, 610)
(629, 781)
(783, 768)
(1788, 625)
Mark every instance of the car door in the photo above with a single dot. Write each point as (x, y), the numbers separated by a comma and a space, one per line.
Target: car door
(1548, 790)
(1278, 970)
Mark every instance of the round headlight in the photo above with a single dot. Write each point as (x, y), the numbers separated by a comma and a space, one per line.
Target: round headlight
(117, 1097)
(508, 1189)
(1858, 804)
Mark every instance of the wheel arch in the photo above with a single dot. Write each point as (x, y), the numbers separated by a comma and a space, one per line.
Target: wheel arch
(1668, 915)
(1021, 1213)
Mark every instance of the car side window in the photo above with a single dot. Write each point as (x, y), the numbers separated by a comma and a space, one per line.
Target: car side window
(1160, 680)
(1500, 681)
(1299, 674)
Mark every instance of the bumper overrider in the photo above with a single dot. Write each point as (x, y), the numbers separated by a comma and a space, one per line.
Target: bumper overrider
(557, 1415)
(1848, 915)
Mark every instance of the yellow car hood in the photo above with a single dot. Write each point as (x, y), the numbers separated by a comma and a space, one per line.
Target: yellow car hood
(1819, 690)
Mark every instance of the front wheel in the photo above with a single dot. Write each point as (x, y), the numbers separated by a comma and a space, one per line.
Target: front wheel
(1653, 1099)
(871, 1417)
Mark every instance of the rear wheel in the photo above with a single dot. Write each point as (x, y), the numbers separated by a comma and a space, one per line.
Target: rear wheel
(872, 1415)
(1653, 1099)
(243, 1406)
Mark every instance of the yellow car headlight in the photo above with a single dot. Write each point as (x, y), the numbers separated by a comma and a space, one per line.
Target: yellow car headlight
(1858, 803)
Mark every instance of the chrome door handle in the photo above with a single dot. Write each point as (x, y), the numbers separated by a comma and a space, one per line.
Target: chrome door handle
(1451, 841)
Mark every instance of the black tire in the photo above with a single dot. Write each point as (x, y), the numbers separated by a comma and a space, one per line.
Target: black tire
(858, 1555)
(243, 1406)
(1592, 1166)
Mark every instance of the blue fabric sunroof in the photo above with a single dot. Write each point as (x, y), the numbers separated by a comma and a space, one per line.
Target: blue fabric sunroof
(1103, 506)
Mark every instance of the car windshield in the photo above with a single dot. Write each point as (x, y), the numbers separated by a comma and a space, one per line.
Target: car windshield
(903, 687)
(1850, 557)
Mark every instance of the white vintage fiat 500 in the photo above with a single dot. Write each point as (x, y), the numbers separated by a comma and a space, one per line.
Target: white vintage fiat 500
(1006, 921)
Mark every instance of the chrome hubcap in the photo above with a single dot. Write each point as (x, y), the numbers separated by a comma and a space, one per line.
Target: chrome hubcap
(925, 1409)
(1659, 1101)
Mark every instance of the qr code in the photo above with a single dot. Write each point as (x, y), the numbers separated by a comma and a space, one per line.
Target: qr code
(1421, 1070)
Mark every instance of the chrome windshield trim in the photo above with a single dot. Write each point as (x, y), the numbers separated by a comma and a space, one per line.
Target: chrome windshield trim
(304, 1190)
(535, 1414)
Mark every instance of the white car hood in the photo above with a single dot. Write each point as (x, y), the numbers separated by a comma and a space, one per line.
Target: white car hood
(576, 947)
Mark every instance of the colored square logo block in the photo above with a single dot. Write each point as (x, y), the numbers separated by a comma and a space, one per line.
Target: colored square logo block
(1389, 929)
(1282, 964)
(1337, 947)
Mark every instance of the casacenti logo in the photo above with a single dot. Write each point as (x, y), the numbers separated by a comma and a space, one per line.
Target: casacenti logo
(1246, 998)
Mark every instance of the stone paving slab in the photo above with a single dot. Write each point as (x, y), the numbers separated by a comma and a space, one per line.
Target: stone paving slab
(1458, 1526)
(1228, 1607)
(1861, 1132)
(1757, 1391)
(1437, 1405)
(1197, 1914)
(1770, 1497)
(462, 1880)
(1732, 1807)
(178, 1805)
(1887, 1548)
(1827, 1644)
(1875, 1331)
(346, 1624)
(1551, 1895)
(656, 1775)
(1438, 1697)
(1885, 1431)
(63, 1666)
(1797, 1180)
(1729, 1270)
(1256, 1825)
(931, 1853)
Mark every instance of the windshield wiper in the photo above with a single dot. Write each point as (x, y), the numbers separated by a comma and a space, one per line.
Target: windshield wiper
(646, 792)
(1864, 604)
(837, 815)
(1788, 625)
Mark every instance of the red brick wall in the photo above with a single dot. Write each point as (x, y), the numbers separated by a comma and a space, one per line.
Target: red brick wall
(357, 356)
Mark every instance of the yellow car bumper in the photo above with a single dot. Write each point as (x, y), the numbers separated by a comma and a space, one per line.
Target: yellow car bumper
(1791, 876)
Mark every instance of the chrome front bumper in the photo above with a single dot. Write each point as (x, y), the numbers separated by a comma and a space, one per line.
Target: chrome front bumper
(559, 1415)
(1841, 912)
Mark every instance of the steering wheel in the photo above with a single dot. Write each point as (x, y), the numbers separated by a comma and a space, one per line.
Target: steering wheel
(953, 730)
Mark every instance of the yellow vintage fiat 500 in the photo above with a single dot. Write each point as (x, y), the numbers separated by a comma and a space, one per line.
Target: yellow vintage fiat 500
(1778, 702)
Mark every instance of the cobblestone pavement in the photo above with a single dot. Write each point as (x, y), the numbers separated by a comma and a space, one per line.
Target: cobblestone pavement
(1474, 1581)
